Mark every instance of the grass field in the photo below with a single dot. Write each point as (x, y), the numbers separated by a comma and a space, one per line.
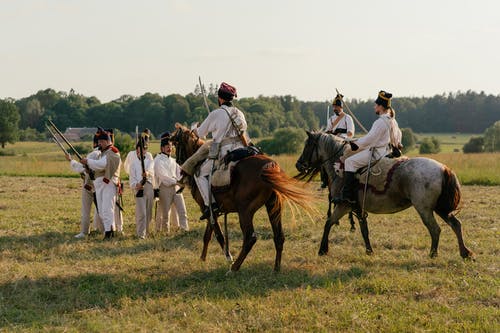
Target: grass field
(50, 281)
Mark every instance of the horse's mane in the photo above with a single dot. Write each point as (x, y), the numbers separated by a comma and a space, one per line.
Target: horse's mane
(331, 145)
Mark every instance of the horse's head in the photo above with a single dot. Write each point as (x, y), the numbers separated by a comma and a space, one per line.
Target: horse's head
(185, 141)
(310, 157)
(319, 148)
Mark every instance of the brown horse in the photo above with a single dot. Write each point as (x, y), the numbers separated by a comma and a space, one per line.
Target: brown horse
(256, 181)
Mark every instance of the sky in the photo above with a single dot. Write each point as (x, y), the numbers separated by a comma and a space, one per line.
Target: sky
(108, 48)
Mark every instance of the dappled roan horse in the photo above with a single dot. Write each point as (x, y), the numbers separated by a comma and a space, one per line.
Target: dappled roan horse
(423, 183)
(256, 181)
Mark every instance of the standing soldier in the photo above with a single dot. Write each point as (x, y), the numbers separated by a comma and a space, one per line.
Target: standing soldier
(141, 181)
(107, 180)
(88, 192)
(167, 172)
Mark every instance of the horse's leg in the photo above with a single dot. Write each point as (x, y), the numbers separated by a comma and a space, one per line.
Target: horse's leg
(209, 230)
(353, 223)
(338, 212)
(206, 239)
(249, 238)
(329, 212)
(363, 224)
(455, 224)
(279, 237)
(429, 220)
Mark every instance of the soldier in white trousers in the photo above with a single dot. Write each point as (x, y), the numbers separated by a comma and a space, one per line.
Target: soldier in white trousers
(88, 193)
(107, 180)
(167, 173)
(144, 197)
(373, 145)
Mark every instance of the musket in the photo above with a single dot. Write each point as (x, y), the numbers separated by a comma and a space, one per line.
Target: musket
(65, 140)
(204, 96)
(136, 134)
(90, 171)
(140, 193)
(54, 138)
(351, 113)
(327, 114)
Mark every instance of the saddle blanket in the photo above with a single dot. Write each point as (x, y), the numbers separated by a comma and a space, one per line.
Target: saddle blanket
(221, 177)
(380, 173)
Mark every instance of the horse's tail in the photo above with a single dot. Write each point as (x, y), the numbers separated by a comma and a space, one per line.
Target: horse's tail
(286, 188)
(449, 200)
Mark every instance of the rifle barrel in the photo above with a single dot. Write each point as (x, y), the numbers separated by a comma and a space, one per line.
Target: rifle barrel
(204, 96)
(65, 140)
(351, 113)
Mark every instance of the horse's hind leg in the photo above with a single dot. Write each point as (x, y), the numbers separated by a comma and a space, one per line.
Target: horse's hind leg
(455, 224)
(427, 217)
(249, 238)
(279, 237)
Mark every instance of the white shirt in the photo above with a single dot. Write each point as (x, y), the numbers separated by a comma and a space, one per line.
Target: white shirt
(219, 124)
(78, 167)
(166, 170)
(133, 156)
(379, 134)
(135, 175)
(346, 122)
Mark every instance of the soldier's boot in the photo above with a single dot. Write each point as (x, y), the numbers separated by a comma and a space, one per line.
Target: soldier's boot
(349, 191)
(206, 211)
(109, 234)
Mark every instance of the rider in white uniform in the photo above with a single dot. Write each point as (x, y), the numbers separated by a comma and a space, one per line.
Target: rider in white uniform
(226, 124)
(377, 139)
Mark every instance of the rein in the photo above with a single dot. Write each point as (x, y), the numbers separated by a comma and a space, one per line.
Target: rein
(329, 159)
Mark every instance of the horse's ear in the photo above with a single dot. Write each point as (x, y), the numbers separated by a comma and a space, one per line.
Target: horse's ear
(177, 125)
(308, 133)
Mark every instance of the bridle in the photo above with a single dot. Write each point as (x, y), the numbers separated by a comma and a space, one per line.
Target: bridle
(319, 162)
(180, 143)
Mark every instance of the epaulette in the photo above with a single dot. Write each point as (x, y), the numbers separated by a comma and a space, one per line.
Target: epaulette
(114, 149)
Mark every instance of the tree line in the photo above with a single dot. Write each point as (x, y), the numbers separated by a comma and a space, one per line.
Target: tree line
(466, 112)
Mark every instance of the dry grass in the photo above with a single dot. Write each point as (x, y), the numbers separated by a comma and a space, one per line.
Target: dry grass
(51, 282)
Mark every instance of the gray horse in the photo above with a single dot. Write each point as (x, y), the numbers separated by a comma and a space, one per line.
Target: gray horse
(423, 183)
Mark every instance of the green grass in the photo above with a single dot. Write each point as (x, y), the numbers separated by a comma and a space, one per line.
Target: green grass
(51, 282)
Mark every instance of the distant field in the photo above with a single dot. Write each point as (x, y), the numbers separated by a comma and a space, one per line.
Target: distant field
(449, 142)
(46, 159)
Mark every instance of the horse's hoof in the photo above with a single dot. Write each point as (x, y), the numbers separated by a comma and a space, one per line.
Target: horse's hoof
(433, 254)
(322, 253)
(369, 252)
(352, 230)
(203, 258)
(229, 258)
(469, 256)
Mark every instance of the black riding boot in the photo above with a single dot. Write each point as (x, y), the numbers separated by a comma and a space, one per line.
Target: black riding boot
(350, 190)
(206, 211)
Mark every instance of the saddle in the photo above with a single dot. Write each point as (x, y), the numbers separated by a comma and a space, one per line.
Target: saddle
(223, 170)
(381, 172)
